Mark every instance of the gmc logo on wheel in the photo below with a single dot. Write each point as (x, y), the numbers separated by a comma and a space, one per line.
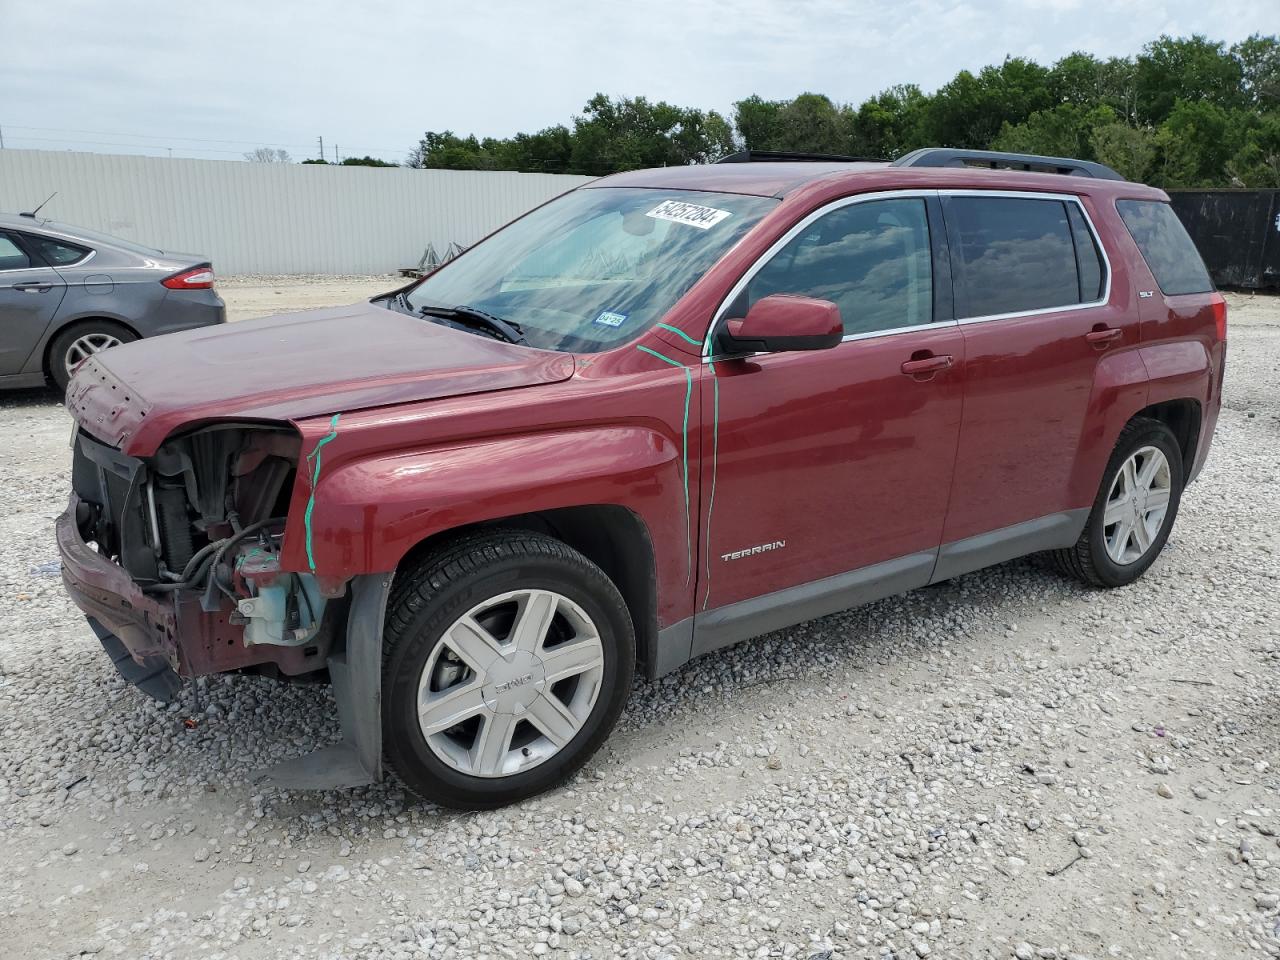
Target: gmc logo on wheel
(516, 682)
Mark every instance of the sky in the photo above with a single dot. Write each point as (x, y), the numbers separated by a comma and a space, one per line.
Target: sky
(216, 80)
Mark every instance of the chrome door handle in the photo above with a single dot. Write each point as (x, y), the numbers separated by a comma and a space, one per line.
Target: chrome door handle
(33, 287)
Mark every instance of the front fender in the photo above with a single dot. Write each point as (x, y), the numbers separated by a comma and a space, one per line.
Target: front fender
(365, 514)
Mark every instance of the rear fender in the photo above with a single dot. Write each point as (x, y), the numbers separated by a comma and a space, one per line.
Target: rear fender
(368, 513)
(1119, 391)
(1124, 384)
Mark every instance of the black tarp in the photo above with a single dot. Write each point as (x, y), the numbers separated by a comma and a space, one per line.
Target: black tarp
(1237, 233)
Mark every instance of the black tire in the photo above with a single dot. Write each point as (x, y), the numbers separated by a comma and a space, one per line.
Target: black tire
(56, 367)
(1088, 560)
(431, 595)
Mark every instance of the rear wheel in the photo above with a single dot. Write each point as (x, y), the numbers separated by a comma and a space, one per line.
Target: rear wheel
(1134, 510)
(507, 659)
(82, 340)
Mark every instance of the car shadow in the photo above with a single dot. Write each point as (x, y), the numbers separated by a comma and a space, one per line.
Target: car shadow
(225, 745)
(30, 397)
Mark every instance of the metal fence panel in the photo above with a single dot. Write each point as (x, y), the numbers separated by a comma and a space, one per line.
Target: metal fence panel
(1237, 233)
(269, 218)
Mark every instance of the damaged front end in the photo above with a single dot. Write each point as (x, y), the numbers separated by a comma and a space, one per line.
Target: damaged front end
(175, 559)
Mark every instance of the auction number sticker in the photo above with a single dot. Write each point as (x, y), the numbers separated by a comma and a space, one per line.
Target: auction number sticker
(690, 214)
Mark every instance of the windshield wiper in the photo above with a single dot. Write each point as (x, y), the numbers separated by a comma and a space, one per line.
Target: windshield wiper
(477, 319)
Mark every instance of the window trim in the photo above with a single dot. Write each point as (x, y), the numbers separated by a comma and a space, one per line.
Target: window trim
(1102, 301)
(717, 318)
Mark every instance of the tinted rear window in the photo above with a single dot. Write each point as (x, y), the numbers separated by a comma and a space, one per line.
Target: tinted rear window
(1165, 245)
(1014, 255)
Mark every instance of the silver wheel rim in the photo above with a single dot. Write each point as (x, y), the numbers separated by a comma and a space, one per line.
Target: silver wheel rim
(87, 346)
(510, 683)
(1136, 506)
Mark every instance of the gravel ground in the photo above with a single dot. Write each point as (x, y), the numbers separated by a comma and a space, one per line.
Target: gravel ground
(1008, 765)
(260, 295)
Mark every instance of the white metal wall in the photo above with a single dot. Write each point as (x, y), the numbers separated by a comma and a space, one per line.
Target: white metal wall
(270, 218)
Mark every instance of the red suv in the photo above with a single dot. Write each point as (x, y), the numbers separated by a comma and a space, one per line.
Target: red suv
(665, 412)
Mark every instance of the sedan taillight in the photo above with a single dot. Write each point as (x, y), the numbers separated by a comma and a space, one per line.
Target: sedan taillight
(196, 278)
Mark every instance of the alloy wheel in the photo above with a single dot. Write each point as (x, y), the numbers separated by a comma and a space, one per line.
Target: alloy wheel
(510, 683)
(87, 346)
(1136, 505)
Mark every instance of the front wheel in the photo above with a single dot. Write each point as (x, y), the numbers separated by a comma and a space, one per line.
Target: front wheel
(1134, 510)
(507, 658)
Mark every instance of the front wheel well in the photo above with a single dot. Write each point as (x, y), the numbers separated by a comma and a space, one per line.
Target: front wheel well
(1183, 418)
(610, 536)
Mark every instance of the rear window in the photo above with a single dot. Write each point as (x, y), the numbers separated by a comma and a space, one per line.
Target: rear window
(58, 253)
(1165, 245)
(1017, 254)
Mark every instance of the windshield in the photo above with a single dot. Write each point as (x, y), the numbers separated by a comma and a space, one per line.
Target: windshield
(596, 267)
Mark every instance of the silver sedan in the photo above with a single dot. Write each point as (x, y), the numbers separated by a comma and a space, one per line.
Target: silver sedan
(66, 293)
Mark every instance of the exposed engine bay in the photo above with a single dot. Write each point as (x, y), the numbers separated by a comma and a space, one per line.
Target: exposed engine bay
(198, 526)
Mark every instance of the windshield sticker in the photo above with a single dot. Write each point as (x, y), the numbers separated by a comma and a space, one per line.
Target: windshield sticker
(608, 318)
(677, 211)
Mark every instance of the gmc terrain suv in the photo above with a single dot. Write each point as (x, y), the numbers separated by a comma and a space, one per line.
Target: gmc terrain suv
(667, 411)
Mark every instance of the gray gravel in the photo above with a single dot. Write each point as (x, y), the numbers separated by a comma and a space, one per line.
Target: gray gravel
(1005, 766)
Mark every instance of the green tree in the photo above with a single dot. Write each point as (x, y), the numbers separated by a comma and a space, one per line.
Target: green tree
(1064, 131)
(811, 123)
(627, 134)
(757, 122)
(1083, 80)
(365, 161)
(970, 110)
(1194, 68)
(1257, 163)
(1130, 151)
(1195, 144)
(1259, 59)
(888, 125)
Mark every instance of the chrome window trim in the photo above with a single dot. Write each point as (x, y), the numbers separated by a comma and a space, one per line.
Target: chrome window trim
(838, 204)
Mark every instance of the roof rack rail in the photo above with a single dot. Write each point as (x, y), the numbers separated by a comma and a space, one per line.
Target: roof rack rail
(779, 156)
(996, 160)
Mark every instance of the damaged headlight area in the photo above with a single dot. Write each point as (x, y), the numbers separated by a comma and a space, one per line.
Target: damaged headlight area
(199, 526)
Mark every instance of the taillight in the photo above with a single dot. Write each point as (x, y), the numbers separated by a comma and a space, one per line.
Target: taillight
(197, 278)
(1220, 317)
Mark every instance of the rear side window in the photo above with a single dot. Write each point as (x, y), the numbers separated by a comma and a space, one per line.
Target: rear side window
(1165, 245)
(57, 253)
(11, 255)
(870, 259)
(1088, 258)
(1012, 255)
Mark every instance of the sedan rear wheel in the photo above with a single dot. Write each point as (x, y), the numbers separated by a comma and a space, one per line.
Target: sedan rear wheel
(79, 342)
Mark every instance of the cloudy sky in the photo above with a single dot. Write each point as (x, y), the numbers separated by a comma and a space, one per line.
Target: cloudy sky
(214, 80)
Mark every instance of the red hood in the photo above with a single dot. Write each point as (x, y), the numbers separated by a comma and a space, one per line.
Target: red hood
(289, 367)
